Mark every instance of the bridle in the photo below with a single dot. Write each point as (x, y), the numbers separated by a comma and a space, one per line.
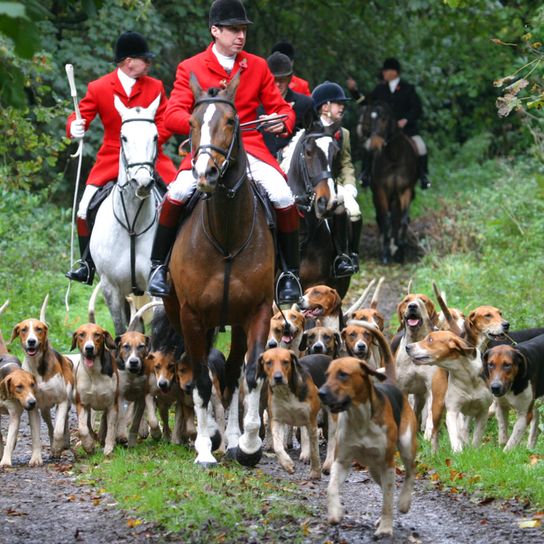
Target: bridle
(227, 153)
(149, 166)
(311, 180)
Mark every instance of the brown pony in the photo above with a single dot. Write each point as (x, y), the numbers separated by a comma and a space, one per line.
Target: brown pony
(393, 176)
(222, 271)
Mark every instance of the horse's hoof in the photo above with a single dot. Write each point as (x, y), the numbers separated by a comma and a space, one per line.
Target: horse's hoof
(206, 465)
(230, 454)
(216, 440)
(248, 459)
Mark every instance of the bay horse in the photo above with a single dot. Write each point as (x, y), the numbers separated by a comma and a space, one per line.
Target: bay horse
(394, 175)
(222, 273)
(125, 223)
(307, 161)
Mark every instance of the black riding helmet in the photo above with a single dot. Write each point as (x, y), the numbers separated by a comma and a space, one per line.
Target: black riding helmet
(280, 65)
(228, 13)
(328, 91)
(132, 44)
(391, 64)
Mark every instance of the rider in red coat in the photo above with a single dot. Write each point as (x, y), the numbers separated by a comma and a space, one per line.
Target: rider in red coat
(131, 84)
(216, 67)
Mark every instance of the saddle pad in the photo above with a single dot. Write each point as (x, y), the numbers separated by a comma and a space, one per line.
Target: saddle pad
(96, 201)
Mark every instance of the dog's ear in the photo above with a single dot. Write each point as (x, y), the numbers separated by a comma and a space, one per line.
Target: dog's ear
(343, 333)
(470, 318)
(521, 362)
(74, 341)
(108, 340)
(431, 311)
(337, 345)
(337, 305)
(260, 367)
(147, 342)
(303, 342)
(4, 388)
(15, 333)
(400, 315)
(371, 372)
(379, 320)
(117, 341)
(297, 383)
(485, 368)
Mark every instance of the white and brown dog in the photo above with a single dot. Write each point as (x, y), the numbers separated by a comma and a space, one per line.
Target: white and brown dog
(286, 329)
(293, 401)
(17, 393)
(96, 384)
(321, 340)
(54, 380)
(375, 421)
(467, 395)
(324, 303)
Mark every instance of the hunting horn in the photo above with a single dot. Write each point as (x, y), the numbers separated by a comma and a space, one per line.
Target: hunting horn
(73, 92)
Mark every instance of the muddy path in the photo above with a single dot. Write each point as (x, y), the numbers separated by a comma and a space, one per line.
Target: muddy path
(47, 505)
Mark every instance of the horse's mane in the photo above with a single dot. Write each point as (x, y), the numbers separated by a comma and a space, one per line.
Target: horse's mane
(289, 150)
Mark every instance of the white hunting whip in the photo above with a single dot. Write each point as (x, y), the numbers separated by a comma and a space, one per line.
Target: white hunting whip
(79, 154)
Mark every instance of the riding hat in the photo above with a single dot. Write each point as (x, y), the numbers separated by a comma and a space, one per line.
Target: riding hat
(284, 47)
(391, 64)
(328, 91)
(132, 44)
(280, 65)
(228, 13)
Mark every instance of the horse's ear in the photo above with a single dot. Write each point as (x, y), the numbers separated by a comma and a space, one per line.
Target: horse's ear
(195, 86)
(152, 108)
(119, 106)
(232, 87)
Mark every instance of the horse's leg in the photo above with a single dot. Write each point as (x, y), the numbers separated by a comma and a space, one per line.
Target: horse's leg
(196, 337)
(250, 444)
(405, 201)
(233, 374)
(117, 305)
(397, 247)
(381, 206)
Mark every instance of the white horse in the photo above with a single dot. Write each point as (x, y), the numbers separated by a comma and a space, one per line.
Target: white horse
(125, 224)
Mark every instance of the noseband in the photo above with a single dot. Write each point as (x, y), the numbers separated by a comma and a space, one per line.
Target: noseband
(146, 165)
(227, 153)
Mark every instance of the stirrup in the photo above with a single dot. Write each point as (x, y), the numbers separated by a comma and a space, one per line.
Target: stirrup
(355, 261)
(296, 290)
(342, 266)
(84, 274)
(157, 285)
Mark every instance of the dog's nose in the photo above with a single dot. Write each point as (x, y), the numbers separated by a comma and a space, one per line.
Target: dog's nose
(408, 348)
(323, 392)
(496, 388)
(89, 350)
(505, 326)
(133, 362)
(31, 404)
(278, 377)
(272, 343)
(189, 387)
(163, 385)
(412, 306)
(31, 342)
(360, 347)
(318, 348)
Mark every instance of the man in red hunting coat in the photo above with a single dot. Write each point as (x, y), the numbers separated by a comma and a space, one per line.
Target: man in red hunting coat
(216, 67)
(134, 87)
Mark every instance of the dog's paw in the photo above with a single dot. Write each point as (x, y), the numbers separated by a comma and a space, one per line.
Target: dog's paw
(35, 461)
(315, 475)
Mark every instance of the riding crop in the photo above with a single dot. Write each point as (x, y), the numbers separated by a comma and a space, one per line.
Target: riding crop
(79, 154)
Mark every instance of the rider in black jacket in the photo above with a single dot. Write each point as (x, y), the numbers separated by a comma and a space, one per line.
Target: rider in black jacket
(406, 105)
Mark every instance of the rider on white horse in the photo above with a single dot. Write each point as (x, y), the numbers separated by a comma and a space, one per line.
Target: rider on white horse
(329, 101)
(134, 88)
(216, 67)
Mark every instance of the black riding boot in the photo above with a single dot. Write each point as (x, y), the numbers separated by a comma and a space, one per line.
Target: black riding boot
(342, 265)
(424, 181)
(288, 287)
(354, 241)
(84, 273)
(367, 169)
(165, 237)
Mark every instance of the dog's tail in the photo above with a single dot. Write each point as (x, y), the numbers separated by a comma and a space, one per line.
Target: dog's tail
(137, 318)
(375, 296)
(388, 361)
(92, 303)
(446, 311)
(360, 301)
(44, 307)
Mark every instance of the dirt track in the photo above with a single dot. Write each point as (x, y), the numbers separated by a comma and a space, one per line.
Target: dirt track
(46, 505)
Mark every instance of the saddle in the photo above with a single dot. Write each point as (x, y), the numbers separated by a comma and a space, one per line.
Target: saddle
(104, 191)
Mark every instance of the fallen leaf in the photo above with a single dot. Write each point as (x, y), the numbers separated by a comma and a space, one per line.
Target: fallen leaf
(529, 523)
(134, 523)
(448, 462)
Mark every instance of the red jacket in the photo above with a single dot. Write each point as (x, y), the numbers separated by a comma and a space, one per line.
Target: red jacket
(300, 85)
(99, 100)
(256, 87)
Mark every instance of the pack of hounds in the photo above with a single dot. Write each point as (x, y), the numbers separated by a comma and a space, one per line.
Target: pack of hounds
(331, 375)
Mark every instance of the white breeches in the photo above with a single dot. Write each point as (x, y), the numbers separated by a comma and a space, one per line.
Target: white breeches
(420, 145)
(347, 193)
(90, 190)
(265, 175)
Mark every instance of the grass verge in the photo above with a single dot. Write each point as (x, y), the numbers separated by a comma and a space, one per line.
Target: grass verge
(161, 483)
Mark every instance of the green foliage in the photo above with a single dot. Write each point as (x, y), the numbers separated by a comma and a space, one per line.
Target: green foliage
(161, 483)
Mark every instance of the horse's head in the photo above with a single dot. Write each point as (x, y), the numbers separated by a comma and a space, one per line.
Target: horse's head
(139, 145)
(377, 125)
(315, 152)
(215, 132)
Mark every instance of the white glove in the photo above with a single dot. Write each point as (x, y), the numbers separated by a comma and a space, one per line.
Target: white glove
(351, 189)
(77, 128)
